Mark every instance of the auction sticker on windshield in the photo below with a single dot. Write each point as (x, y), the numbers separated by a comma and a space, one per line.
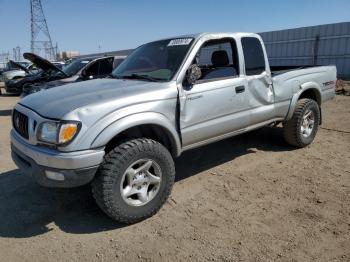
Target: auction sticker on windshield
(180, 41)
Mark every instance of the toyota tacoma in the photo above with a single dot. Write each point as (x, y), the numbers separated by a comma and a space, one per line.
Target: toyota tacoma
(122, 133)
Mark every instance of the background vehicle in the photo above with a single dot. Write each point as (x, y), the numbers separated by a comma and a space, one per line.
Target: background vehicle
(46, 71)
(14, 70)
(79, 70)
(11, 65)
(2, 68)
(168, 96)
(17, 70)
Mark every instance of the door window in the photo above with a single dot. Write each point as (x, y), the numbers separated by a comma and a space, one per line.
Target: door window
(92, 70)
(218, 59)
(106, 66)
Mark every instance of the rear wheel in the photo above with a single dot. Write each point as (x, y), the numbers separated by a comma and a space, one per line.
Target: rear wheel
(301, 129)
(134, 180)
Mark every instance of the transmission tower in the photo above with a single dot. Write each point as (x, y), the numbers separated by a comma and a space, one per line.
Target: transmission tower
(17, 54)
(41, 43)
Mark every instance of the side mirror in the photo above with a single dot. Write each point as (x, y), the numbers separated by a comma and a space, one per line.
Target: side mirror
(85, 75)
(193, 74)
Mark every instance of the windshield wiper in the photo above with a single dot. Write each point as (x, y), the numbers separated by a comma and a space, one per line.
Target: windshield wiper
(142, 77)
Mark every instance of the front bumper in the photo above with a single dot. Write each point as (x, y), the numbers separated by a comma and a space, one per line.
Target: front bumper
(11, 88)
(74, 168)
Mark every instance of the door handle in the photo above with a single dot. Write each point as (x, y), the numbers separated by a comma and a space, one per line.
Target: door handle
(240, 89)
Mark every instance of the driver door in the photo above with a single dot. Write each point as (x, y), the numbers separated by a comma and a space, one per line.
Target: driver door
(216, 105)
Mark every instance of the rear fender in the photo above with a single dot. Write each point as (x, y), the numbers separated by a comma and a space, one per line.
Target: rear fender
(315, 87)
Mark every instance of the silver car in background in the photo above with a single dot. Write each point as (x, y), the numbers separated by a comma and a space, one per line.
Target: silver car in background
(80, 69)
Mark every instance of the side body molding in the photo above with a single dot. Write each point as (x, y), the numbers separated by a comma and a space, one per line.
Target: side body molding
(134, 120)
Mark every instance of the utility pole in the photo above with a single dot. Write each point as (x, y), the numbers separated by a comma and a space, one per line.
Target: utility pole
(40, 43)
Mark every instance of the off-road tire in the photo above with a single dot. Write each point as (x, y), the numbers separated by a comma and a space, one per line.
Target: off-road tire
(291, 128)
(106, 184)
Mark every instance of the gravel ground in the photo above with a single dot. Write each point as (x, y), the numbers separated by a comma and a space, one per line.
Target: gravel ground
(248, 198)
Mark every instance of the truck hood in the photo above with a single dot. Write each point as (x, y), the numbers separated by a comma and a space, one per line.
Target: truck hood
(19, 66)
(100, 94)
(42, 63)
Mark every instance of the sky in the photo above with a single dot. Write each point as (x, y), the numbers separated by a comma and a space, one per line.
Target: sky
(90, 26)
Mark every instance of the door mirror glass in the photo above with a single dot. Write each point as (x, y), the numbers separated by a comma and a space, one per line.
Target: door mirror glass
(193, 74)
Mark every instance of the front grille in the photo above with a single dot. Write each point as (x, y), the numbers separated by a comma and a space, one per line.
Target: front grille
(20, 123)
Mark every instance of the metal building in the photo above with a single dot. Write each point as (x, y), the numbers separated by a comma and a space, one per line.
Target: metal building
(124, 52)
(314, 45)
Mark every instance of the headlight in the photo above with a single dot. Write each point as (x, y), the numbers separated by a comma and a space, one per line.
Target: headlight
(48, 132)
(58, 133)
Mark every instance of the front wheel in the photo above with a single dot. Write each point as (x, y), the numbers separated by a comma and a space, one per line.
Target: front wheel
(301, 129)
(134, 180)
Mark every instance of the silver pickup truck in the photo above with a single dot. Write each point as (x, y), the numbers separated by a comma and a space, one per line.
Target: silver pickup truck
(122, 133)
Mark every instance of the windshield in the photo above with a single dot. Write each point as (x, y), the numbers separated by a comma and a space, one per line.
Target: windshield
(74, 67)
(156, 61)
(25, 64)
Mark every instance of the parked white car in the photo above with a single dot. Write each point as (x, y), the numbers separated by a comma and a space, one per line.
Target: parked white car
(19, 70)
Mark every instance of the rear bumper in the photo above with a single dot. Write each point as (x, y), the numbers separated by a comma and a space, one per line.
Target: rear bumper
(71, 169)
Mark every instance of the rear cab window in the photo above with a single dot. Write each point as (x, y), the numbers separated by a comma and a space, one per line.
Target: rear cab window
(253, 56)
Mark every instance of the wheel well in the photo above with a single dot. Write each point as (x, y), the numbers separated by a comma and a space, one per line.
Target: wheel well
(151, 131)
(311, 94)
(17, 77)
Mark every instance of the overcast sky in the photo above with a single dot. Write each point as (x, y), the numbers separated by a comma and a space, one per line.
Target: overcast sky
(84, 25)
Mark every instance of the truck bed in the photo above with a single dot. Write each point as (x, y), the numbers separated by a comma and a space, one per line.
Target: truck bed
(288, 81)
(277, 70)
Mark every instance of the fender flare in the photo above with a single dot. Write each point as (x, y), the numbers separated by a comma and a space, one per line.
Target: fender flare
(129, 121)
(303, 87)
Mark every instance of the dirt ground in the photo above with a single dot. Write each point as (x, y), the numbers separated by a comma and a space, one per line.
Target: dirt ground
(248, 198)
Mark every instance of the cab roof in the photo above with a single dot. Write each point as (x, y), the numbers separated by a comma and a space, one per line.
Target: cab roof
(215, 35)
